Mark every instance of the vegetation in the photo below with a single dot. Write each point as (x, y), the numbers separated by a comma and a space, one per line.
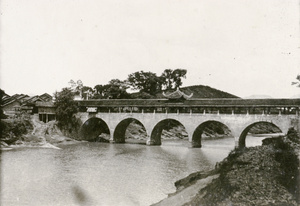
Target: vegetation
(297, 83)
(147, 84)
(151, 83)
(13, 129)
(115, 89)
(172, 78)
(2, 115)
(66, 108)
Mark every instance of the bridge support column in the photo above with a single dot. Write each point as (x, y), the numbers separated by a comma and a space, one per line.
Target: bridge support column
(196, 144)
(111, 139)
(149, 142)
(236, 141)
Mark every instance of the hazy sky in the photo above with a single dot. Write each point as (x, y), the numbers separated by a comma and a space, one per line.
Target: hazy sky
(243, 47)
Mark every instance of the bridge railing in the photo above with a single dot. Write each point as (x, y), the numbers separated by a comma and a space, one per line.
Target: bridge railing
(196, 110)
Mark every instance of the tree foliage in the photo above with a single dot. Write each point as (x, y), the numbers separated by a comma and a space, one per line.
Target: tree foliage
(147, 82)
(297, 83)
(173, 78)
(87, 92)
(115, 89)
(2, 115)
(76, 86)
(66, 107)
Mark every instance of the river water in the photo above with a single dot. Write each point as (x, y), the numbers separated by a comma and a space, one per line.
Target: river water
(101, 173)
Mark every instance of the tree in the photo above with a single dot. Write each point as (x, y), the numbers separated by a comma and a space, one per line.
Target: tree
(178, 74)
(173, 78)
(145, 82)
(2, 115)
(87, 92)
(167, 78)
(76, 87)
(298, 81)
(66, 108)
(98, 91)
(115, 89)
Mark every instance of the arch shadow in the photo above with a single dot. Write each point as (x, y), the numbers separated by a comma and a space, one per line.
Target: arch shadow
(94, 130)
(166, 124)
(212, 129)
(134, 127)
(261, 127)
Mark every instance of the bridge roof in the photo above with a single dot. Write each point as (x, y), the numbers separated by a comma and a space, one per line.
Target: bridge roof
(191, 103)
(177, 94)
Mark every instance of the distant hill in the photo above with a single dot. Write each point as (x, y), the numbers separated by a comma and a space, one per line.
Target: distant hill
(296, 96)
(258, 96)
(199, 91)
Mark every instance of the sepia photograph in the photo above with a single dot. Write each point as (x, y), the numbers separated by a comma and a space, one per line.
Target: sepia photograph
(149, 103)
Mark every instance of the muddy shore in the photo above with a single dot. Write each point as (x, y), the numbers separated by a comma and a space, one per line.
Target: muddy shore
(262, 175)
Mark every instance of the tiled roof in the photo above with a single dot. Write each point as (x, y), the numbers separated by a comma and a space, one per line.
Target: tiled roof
(33, 99)
(46, 96)
(232, 102)
(177, 95)
(45, 104)
(10, 101)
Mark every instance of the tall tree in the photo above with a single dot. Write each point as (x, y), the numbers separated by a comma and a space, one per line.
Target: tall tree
(145, 82)
(115, 89)
(98, 91)
(87, 92)
(66, 107)
(76, 87)
(173, 78)
(167, 79)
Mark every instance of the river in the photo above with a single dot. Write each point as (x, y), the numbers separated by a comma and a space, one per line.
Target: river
(101, 173)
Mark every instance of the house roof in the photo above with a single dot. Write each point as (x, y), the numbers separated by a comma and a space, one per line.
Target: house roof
(4, 99)
(33, 99)
(45, 104)
(177, 95)
(46, 97)
(11, 101)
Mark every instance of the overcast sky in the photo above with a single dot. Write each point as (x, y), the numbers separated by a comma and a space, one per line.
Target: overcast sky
(243, 47)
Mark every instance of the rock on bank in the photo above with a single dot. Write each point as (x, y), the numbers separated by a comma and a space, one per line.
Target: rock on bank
(263, 175)
(30, 132)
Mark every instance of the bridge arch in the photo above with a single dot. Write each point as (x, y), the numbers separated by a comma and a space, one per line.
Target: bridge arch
(92, 128)
(119, 134)
(243, 135)
(165, 124)
(207, 126)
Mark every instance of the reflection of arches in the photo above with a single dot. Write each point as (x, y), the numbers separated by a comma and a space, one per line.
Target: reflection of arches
(165, 124)
(210, 126)
(242, 138)
(92, 128)
(120, 131)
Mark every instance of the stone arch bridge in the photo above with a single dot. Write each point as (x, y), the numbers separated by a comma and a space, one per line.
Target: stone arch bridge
(239, 115)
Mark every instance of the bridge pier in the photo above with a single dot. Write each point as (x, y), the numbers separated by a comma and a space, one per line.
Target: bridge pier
(196, 144)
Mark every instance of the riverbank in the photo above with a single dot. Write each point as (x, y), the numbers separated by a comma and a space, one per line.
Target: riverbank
(262, 175)
(30, 132)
